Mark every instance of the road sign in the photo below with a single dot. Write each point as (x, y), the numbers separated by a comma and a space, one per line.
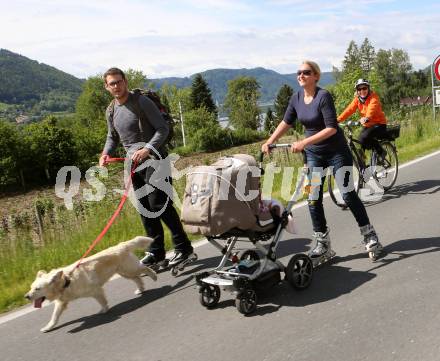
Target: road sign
(437, 97)
(437, 68)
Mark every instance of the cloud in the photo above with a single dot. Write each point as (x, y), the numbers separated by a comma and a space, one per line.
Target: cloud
(179, 38)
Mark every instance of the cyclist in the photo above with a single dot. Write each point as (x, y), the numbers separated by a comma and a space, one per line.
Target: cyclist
(372, 118)
(325, 147)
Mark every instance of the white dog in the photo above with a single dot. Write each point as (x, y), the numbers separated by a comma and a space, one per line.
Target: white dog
(65, 284)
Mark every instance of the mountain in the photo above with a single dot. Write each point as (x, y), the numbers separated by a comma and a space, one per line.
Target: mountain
(217, 79)
(33, 88)
(37, 86)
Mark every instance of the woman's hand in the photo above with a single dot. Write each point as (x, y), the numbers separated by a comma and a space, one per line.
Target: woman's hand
(265, 148)
(297, 146)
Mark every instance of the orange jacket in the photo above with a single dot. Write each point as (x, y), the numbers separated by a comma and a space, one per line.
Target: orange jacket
(372, 109)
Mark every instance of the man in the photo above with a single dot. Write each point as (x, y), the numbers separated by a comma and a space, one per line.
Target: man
(136, 122)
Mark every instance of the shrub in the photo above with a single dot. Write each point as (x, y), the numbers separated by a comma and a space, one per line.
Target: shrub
(210, 139)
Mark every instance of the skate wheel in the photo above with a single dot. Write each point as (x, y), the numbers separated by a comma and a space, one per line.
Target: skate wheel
(209, 295)
(193, 257)
(299, 271)
(165, 263)
(174, 271)
(372, 255)
(249, 255)
(246, 302)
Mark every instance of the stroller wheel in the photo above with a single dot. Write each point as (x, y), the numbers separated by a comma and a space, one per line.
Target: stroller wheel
(249, 255)
(299, 271)
(209, 295)
(246, 302)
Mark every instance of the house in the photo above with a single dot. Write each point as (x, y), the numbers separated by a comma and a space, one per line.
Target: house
(415, 101)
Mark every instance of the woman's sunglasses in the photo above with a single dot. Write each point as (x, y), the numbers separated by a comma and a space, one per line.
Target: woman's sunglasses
(362, 88)
(304, 72)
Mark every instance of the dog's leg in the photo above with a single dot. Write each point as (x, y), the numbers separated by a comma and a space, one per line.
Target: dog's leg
(102, 300)
(139, 284)
(149, 272)
(57, 311)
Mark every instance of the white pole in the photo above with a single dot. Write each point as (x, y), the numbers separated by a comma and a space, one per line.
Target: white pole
(181, 124)
(433, 92)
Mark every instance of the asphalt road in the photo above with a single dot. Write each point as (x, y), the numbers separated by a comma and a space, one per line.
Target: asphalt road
(353, 310)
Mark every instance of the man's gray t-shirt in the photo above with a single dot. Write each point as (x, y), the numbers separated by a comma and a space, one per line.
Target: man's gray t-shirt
(127, 128)
(316, 116)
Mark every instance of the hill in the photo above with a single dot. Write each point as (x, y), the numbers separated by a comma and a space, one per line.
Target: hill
(35, 87)
(217, 79)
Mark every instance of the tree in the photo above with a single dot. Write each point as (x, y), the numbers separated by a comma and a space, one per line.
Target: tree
(282, 101)
(93, 101)
(352, 59)
(241, 102)
(343, 90)
(367, 56)
(9, 156)
(175, 96)
(203, 132)
(199, 118)
(135, 78)
(201, 95)
(50, 148)
(269, 122)
(394, 73)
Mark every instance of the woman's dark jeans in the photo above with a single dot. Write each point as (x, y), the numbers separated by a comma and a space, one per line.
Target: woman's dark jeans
(341, 165)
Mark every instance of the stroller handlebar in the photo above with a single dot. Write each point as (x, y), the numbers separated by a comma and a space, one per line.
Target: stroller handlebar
(282, 145)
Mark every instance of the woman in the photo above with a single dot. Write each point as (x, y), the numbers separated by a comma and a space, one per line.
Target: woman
(325, 146)
(372, 117)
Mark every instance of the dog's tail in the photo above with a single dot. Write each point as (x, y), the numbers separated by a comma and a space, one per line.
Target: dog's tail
(138, 242)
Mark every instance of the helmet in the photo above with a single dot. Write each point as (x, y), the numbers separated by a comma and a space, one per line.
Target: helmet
(362, 82)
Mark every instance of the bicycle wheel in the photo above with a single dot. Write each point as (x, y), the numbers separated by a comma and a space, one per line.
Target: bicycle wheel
(385, 170)
(333, 189)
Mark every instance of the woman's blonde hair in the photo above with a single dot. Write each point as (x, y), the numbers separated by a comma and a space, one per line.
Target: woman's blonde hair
(314, 66)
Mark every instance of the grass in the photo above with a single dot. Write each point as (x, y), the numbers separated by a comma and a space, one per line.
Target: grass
(68, 233)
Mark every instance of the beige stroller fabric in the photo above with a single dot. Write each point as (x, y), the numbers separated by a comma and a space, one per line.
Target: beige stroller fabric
(222, 196)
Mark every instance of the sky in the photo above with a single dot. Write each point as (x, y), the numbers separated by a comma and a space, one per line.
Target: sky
(179, 38)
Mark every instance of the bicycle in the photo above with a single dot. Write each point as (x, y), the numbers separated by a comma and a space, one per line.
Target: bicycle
(383, 169)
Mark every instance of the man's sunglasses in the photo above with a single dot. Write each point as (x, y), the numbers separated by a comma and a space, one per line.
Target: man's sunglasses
(307, 72)
(362, 88)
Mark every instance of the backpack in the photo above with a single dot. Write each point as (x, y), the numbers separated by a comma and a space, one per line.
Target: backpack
(155, 98)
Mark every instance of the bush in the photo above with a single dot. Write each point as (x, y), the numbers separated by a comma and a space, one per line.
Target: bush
(210, 139)
(246, 135)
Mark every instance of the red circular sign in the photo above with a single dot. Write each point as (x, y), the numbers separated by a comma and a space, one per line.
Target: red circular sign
(437, 68)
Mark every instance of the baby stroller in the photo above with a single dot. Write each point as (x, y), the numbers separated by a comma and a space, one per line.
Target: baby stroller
(242, 273)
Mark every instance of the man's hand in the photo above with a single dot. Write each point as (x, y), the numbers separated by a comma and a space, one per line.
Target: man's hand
(297, 146)
(103, 160)
(140, 155)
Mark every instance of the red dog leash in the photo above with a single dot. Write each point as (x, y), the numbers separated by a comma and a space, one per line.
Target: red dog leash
(115, 214)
